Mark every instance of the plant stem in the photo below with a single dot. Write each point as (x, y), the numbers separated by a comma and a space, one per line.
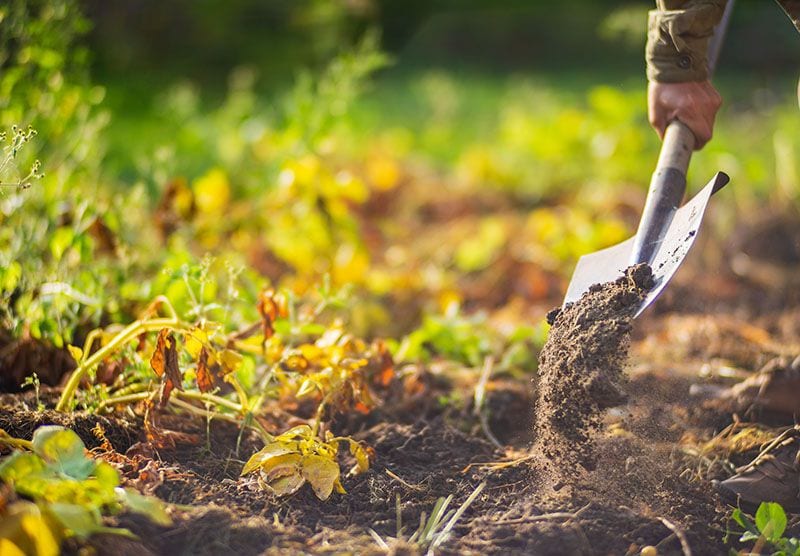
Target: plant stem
(127, 334)
(8, 440)
(128, 398)
(244, 402)
(212, 399)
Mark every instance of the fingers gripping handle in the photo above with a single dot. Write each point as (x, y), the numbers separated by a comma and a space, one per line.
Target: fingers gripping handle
(668, 184)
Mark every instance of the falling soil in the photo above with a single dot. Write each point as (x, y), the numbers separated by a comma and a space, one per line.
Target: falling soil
(581, 367)
(641, 480)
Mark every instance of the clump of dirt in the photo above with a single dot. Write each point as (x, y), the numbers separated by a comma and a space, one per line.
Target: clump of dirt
(581, 366)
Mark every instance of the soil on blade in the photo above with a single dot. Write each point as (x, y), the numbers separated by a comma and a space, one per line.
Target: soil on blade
(581, 367)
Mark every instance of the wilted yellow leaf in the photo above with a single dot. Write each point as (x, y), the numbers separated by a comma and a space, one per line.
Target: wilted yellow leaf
(306, 388)
(288, 484)
(321, 473)
(230, 360)
(267, 453)
(295, 432)
(362, 458)
(194, 341)
(9, 548)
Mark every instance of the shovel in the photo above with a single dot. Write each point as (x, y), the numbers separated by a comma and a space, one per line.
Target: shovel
(666, 230)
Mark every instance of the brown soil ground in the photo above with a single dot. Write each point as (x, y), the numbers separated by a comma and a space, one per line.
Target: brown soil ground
(650, 483)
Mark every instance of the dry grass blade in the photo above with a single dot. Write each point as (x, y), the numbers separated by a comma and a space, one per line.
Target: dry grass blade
(687, 551)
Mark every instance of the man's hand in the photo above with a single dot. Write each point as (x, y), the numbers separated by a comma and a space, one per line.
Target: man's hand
(694, 103)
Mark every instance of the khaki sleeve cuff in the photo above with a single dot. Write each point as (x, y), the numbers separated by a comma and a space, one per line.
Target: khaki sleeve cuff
(677, 43)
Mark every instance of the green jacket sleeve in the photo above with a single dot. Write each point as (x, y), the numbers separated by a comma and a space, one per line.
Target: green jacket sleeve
(678, 35)
(677, 39)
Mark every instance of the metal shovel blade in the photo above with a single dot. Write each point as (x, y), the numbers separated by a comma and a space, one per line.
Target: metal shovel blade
(609, 264)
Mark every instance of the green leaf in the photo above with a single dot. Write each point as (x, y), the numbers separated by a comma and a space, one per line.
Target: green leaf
(83, 522)
(107, 477)
(146, 505)
(78, 519)
(63, 448)
(60, 241)
(19, 465)
(771, 520)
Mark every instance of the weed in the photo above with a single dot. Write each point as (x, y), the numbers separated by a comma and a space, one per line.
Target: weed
(765, 531)
(434, 529)
(33, 380)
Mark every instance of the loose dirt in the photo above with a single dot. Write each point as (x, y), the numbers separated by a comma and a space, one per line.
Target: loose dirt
(581, 367)
(644, 481)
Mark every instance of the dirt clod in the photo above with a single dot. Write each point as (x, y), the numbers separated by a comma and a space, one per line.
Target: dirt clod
(580, 367)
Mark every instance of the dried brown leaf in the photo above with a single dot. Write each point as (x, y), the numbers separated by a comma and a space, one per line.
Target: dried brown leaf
(205, 380)
(165, 364)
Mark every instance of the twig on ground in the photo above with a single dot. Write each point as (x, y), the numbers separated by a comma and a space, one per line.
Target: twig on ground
(687, 551)
(406, 484)
(497, 464)
(378, 540)
(553, 516)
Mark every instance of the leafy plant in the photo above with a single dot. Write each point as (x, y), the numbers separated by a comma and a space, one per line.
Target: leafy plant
(70, 492)
(298, 456)
(189, 362)
(766, 530)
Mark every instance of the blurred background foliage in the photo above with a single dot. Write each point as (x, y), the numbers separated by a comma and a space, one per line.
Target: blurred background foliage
(436, 157)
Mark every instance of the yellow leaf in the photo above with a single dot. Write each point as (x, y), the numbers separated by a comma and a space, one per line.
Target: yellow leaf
(23, 530)
(194, 342)
(281, 473)
(75, 352)
(8, 548)
(295, 432)
(322, 473)
(362, 458)
(310, 352)
(383, 171)
(212, 192)
(230, 360)
(286, 485)
(264, 455)
(306, 388)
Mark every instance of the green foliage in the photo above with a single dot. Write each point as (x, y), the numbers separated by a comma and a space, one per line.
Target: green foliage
(767, 529)
(70, 489)
(468, 339)
(46, 287)
(315, 106)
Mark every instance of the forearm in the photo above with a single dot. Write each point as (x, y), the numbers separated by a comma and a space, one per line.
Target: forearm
(677, 39)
